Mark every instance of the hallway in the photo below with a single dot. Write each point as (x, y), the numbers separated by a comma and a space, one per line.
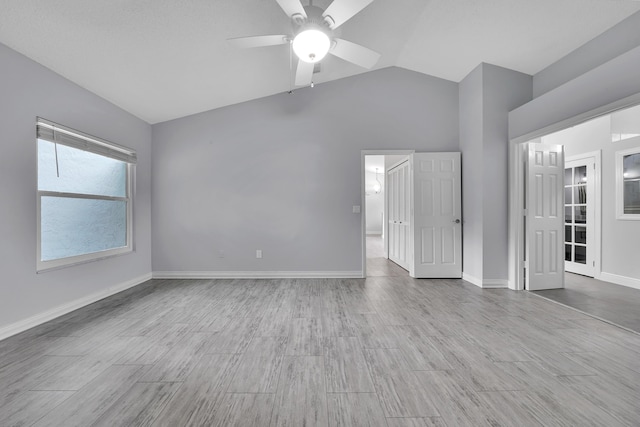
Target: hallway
(377, 264)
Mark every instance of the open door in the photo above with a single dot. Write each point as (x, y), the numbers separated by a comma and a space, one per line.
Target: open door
(436, 221)
(544, 217)
(580, 214)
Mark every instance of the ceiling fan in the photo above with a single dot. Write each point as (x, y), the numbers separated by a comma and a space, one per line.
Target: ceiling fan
(312, 36)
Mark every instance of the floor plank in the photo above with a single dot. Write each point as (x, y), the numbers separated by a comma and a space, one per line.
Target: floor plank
(355, 410)
(196, 400)
(91, 401)
(399, 391)
(346, 369)
(301, 398)
(139, 406)
(244, 409)
(260, 366)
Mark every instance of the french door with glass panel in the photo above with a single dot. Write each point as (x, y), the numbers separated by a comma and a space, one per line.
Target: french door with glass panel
(579, 216)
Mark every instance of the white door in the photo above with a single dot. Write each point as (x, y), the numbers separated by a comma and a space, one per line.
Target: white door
(579, 216)
(544, 218)
(399, 214)
(436, 215)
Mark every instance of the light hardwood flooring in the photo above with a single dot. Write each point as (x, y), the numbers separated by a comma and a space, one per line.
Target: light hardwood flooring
(388, 351)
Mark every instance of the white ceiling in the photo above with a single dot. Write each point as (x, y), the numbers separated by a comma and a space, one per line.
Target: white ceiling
(163, 59)
(371, 163)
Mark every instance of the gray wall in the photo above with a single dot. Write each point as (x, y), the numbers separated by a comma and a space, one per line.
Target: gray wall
(282, 173)
(503, 91)
(605, 84)
(607, 46)
(28, 90)
(487, 94)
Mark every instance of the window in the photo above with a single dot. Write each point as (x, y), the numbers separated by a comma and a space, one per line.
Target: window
(84, 197)
(628, 184)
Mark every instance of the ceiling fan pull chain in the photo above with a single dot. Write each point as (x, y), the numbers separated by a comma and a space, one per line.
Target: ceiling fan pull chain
(290, 66)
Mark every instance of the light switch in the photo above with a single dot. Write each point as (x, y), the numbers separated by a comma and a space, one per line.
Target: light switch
(356, 209)
(258, 253)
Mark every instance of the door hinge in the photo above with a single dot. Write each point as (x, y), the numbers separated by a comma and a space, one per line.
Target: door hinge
(593, 263)
(525, 212)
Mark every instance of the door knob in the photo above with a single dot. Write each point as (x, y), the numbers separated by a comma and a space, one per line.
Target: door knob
(457, 221)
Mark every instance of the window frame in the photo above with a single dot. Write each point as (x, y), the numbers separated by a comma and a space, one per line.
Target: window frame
(42, 266)
(619, 170)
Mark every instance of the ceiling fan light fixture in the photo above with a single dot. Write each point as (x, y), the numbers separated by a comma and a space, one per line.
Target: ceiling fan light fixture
(311, 45)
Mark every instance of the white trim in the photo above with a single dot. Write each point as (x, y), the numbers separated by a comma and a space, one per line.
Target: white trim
(471, 279)
(630, 282)
(495, 284)
(516, 216)
(487, 283)
(596, 245)
(38, 319)
(257, 274)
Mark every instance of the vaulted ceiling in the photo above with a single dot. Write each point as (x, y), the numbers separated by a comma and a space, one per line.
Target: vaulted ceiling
(164, 59)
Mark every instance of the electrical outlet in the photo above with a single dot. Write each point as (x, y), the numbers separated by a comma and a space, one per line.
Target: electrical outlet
(258, 253)
(220, 254)
(356, 209)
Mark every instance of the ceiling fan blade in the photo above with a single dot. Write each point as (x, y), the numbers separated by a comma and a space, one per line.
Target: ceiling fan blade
(340, 11)
(292, 8)
(258, 41)
(304, 73)
(355, 53)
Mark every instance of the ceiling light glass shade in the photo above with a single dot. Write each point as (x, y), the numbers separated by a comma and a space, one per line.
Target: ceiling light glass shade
(311, 45)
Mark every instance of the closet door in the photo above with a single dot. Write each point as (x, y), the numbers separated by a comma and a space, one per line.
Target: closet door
(391, 214)
(399, 215)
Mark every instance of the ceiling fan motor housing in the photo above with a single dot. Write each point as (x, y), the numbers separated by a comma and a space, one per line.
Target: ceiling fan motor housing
(314, 21)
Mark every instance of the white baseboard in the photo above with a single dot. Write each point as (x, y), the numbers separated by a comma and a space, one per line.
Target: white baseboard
(257, 274)
(471, 279)
(38, 319)
(495, 284)
(486, 284)
(620, 280)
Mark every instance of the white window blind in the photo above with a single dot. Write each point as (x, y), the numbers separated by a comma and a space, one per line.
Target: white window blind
(63, 135)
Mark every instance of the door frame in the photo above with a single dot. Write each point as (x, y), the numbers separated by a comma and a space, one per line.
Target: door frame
(363, 201)
(597, 209)
(516, 181)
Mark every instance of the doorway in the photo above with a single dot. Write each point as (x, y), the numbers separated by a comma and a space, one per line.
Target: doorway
(376, 215)
(594, 236)
(422, 226)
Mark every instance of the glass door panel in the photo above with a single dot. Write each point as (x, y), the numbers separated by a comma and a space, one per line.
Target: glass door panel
(578, 192)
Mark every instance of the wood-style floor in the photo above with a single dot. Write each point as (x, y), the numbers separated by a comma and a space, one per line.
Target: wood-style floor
(614, 303)
(321, 352)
